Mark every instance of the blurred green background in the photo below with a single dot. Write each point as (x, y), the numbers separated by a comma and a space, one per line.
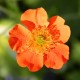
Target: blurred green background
(10, 11)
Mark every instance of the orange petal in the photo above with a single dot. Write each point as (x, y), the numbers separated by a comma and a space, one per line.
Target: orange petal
(56, 20)
(18, 36)
(57, 56)
(34, 61)
(62, 48)
(37, 16)
(29, 25)
(21, 59)
(64, 30)
(64, 33)
(30, 59)
(29, 15)
(12, 41)
(54, 32)
(42, 17)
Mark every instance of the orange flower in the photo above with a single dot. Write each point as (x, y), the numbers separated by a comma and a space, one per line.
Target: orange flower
(42, 43)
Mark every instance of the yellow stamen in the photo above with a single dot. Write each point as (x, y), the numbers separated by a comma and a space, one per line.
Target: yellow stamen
(42, 40)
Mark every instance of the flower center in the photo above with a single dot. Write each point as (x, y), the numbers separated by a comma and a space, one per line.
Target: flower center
(40, 39)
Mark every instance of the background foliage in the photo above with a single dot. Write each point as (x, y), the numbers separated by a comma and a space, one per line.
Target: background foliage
(10, 11)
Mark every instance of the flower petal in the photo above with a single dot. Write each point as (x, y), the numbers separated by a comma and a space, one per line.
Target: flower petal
(42, 17)
(62, 29)
(54, 32)
(21, 59)
(28, 18)
(57, 56)
(34, 16)
(62, 48)
(56, 20)
(35, 61)
(29, 25)
(12, 41)
(30, 59)
(18, 37)
(64, 33)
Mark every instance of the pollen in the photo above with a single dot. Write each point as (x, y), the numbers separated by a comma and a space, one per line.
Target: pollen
(42, 39)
